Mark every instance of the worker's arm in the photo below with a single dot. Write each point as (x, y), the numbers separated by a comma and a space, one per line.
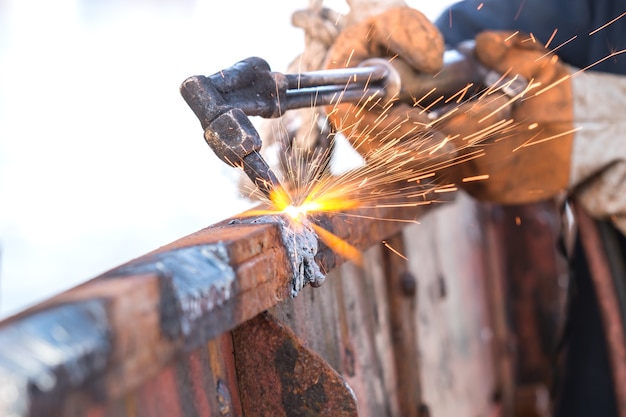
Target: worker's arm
(567, 26)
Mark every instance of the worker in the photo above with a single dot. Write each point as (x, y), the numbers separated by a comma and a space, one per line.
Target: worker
(568, 138)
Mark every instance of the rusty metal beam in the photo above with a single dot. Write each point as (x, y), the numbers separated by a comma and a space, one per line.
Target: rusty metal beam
(278, 376)
(107, 336)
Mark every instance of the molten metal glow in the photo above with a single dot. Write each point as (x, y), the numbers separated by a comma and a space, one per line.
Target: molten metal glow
(295, 212)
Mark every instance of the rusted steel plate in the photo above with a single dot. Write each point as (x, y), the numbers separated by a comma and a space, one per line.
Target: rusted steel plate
(402, 292)
(350, 323)
(412, 338)
(201, 384)
(454, 330)
(536, 291)
(278, 376)
(608, 303)
(169, 301)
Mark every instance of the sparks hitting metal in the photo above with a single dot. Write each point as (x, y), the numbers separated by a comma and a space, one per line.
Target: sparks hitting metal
(223, 101)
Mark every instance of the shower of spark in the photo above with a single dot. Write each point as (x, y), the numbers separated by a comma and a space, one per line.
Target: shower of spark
(400, 171)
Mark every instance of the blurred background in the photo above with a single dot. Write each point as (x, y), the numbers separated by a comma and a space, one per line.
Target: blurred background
(101, 160)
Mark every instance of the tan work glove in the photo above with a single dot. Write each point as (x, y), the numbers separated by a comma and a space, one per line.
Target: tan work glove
(402, 33)
(568, 131)
(528, 157)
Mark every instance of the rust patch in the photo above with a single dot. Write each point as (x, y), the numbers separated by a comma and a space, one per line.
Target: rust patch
(279, 376)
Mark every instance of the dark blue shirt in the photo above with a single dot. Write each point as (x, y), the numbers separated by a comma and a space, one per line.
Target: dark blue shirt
(571, 18)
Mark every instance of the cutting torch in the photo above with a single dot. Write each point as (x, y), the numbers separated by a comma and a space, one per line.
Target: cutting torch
(223, 101)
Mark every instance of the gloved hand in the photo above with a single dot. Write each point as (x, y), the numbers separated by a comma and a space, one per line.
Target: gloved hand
(398, 33)
(568, 131)
(528, 158)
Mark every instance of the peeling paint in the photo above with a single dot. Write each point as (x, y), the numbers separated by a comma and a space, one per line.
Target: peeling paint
(197, 280)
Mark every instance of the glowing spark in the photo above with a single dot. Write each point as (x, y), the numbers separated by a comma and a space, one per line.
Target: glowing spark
(431, 105)
(413, 204)
(480, 6)
(349, 59)
(607, 24)
(441, 145)
(295, 212)
(476, 178)
(532, 142)
(508, 103)
(388, 246)
(432, 90)
(547, 45)
(438, 118)
(519, 11)
(511, 36)
(412, 221)
(552, 51)
(422, 177)
(518, 220)
(461, 93)
(611, 55)
(446, 189)
(339, 245)
(479, 135)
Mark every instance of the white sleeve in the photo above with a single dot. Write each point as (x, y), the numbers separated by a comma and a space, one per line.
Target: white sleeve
(598, 164)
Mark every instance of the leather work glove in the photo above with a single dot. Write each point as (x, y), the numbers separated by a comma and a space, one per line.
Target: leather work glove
(398, 33)
(528, 157)
(566, 132)
(569, 132)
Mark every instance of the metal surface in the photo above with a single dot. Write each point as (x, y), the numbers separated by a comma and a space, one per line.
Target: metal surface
(128, 324)
(608, 303)
(49, 352)
(229, 132)
(278, 376)
(302, 246)
(401, 292)
(195, 280)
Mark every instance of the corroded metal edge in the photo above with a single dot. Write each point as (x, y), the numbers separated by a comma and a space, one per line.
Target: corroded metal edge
(279, 375)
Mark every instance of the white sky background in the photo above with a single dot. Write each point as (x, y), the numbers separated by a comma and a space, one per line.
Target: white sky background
(101, 160)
